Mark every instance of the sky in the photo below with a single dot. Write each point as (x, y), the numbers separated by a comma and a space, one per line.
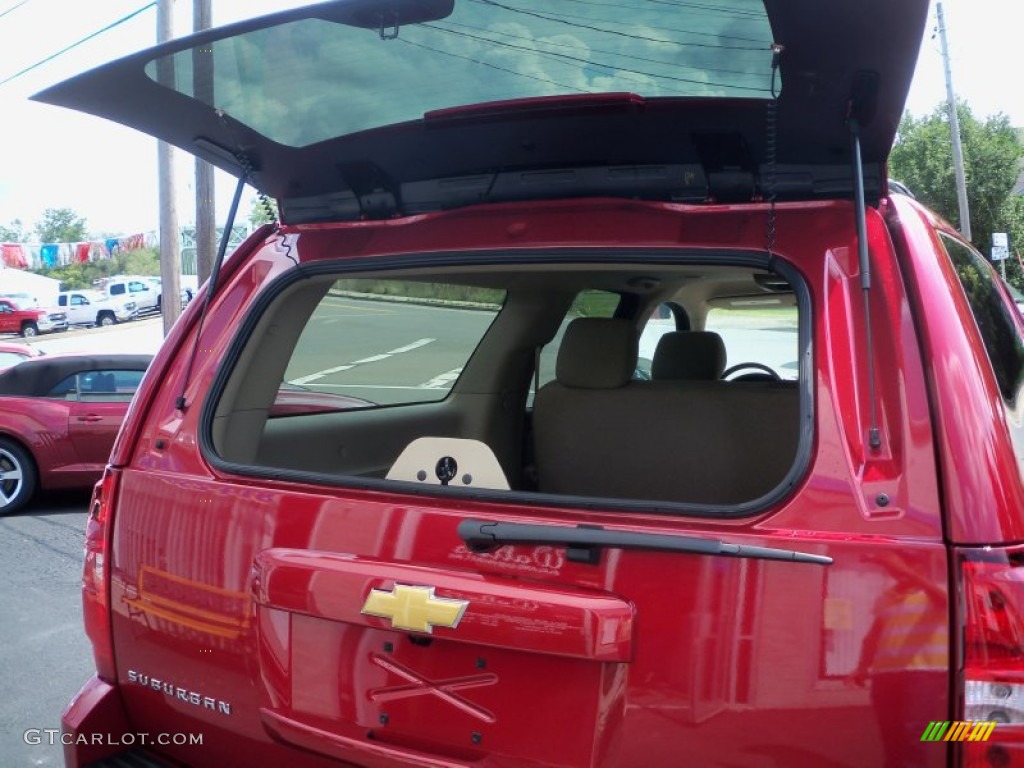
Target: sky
(106, 173)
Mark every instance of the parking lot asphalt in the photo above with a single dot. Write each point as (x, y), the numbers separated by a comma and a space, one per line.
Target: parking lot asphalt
(142, 336)
(46, 654)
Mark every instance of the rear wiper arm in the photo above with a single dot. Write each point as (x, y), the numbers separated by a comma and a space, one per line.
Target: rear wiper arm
(584, 543)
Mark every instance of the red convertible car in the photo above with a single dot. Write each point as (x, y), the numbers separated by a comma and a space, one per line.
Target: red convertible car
(59, 416)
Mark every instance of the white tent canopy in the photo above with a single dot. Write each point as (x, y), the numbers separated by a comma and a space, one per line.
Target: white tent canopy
(43, 289)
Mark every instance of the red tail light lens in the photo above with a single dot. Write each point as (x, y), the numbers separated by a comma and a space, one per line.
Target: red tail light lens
(96, 576)
(992, 616)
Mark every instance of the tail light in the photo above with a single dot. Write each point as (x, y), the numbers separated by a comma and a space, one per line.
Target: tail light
(992, 618)
(96, 577)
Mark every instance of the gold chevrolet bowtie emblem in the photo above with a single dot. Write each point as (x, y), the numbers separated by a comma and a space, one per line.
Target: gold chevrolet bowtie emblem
(414, 608)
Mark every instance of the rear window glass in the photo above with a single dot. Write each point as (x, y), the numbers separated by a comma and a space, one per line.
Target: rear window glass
(528, 379)
(993, 315)
(343, 78)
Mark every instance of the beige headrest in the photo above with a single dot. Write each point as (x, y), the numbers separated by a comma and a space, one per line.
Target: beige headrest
(689, 355)
(597, 353)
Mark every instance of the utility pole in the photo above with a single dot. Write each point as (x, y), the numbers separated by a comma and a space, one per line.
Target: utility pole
(170, 247)
(206, 210)
(954, 130)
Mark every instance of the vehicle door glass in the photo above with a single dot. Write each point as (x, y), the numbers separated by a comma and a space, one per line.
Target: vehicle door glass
(67, 389)
(1017, 296)
(999, 333)
(760, 337)
(78, 300)
(117, 289)
(8, 322)
(108, 386)
(998, 329)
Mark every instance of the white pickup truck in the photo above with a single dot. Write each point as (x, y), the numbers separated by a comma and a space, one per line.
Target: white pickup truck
(86, 307)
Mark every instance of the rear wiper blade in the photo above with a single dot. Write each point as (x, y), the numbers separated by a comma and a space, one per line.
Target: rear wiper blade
(585, 542)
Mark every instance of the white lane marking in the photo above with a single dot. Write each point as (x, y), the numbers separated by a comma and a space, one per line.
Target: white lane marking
(443, 381)
(412, 387)
(373, 359)
(348, 305)
(411, 347)
(321, 374)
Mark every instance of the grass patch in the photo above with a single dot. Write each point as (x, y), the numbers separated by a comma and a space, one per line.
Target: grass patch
(595, 304)
(586, 304)
(424, 291)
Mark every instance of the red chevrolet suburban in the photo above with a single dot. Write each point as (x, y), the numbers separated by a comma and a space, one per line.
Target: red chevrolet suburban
(592, 402)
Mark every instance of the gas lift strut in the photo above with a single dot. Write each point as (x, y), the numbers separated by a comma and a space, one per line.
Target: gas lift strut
(211, 285)
(865, 86)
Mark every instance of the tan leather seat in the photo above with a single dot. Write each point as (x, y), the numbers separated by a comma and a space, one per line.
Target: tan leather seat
(599, 433)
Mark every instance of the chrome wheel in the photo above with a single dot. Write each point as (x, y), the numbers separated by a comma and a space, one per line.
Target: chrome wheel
(17, 477)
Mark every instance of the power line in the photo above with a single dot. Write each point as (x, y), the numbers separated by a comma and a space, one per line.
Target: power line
(752, 13)
(644, 38)
(12, 8)
(692, 8)
(537, 41)
(78, 43)
(491, 66)
(760, 45)
(644, 77)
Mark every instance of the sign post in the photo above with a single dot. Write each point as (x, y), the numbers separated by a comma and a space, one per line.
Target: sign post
(1000, 250)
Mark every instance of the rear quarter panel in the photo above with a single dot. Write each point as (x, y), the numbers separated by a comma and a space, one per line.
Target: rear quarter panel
(980, 438)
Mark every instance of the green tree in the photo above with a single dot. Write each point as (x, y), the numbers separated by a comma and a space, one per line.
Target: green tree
(145, 261)
(1013, 215)
(61, 225)
(264, 211)
(13, 232)
(922, 158)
